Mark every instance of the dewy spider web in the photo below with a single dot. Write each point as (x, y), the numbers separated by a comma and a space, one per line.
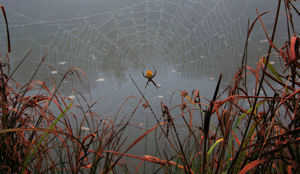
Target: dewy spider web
(194, 38)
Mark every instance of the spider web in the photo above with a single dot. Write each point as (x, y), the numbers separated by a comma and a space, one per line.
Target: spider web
(192, 38)
(183, 39)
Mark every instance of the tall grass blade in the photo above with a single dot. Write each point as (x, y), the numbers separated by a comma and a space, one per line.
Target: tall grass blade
(207, 121)
(7, 30)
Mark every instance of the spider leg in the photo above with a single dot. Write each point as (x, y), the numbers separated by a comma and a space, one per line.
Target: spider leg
(154, 83)
(144, 74)
(147, 83)
(154, 73)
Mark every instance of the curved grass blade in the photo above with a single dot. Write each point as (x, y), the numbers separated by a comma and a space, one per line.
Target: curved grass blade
(213, 146)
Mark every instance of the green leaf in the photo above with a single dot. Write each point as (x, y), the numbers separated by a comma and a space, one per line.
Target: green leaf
(273, 71)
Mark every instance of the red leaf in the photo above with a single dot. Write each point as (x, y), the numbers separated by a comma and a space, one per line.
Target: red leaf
(252, 165)
(236, 138)
(294, 47)
(290, 169)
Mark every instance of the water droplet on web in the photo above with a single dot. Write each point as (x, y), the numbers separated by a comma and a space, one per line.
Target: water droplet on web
(226, 43)
(93, 56)
(100, 80)
(63, 62)
(85, 128)
(71, 97)
(272, 62)
(263, 41)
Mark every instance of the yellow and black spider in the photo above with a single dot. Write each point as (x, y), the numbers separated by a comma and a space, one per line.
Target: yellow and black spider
(149, 75)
